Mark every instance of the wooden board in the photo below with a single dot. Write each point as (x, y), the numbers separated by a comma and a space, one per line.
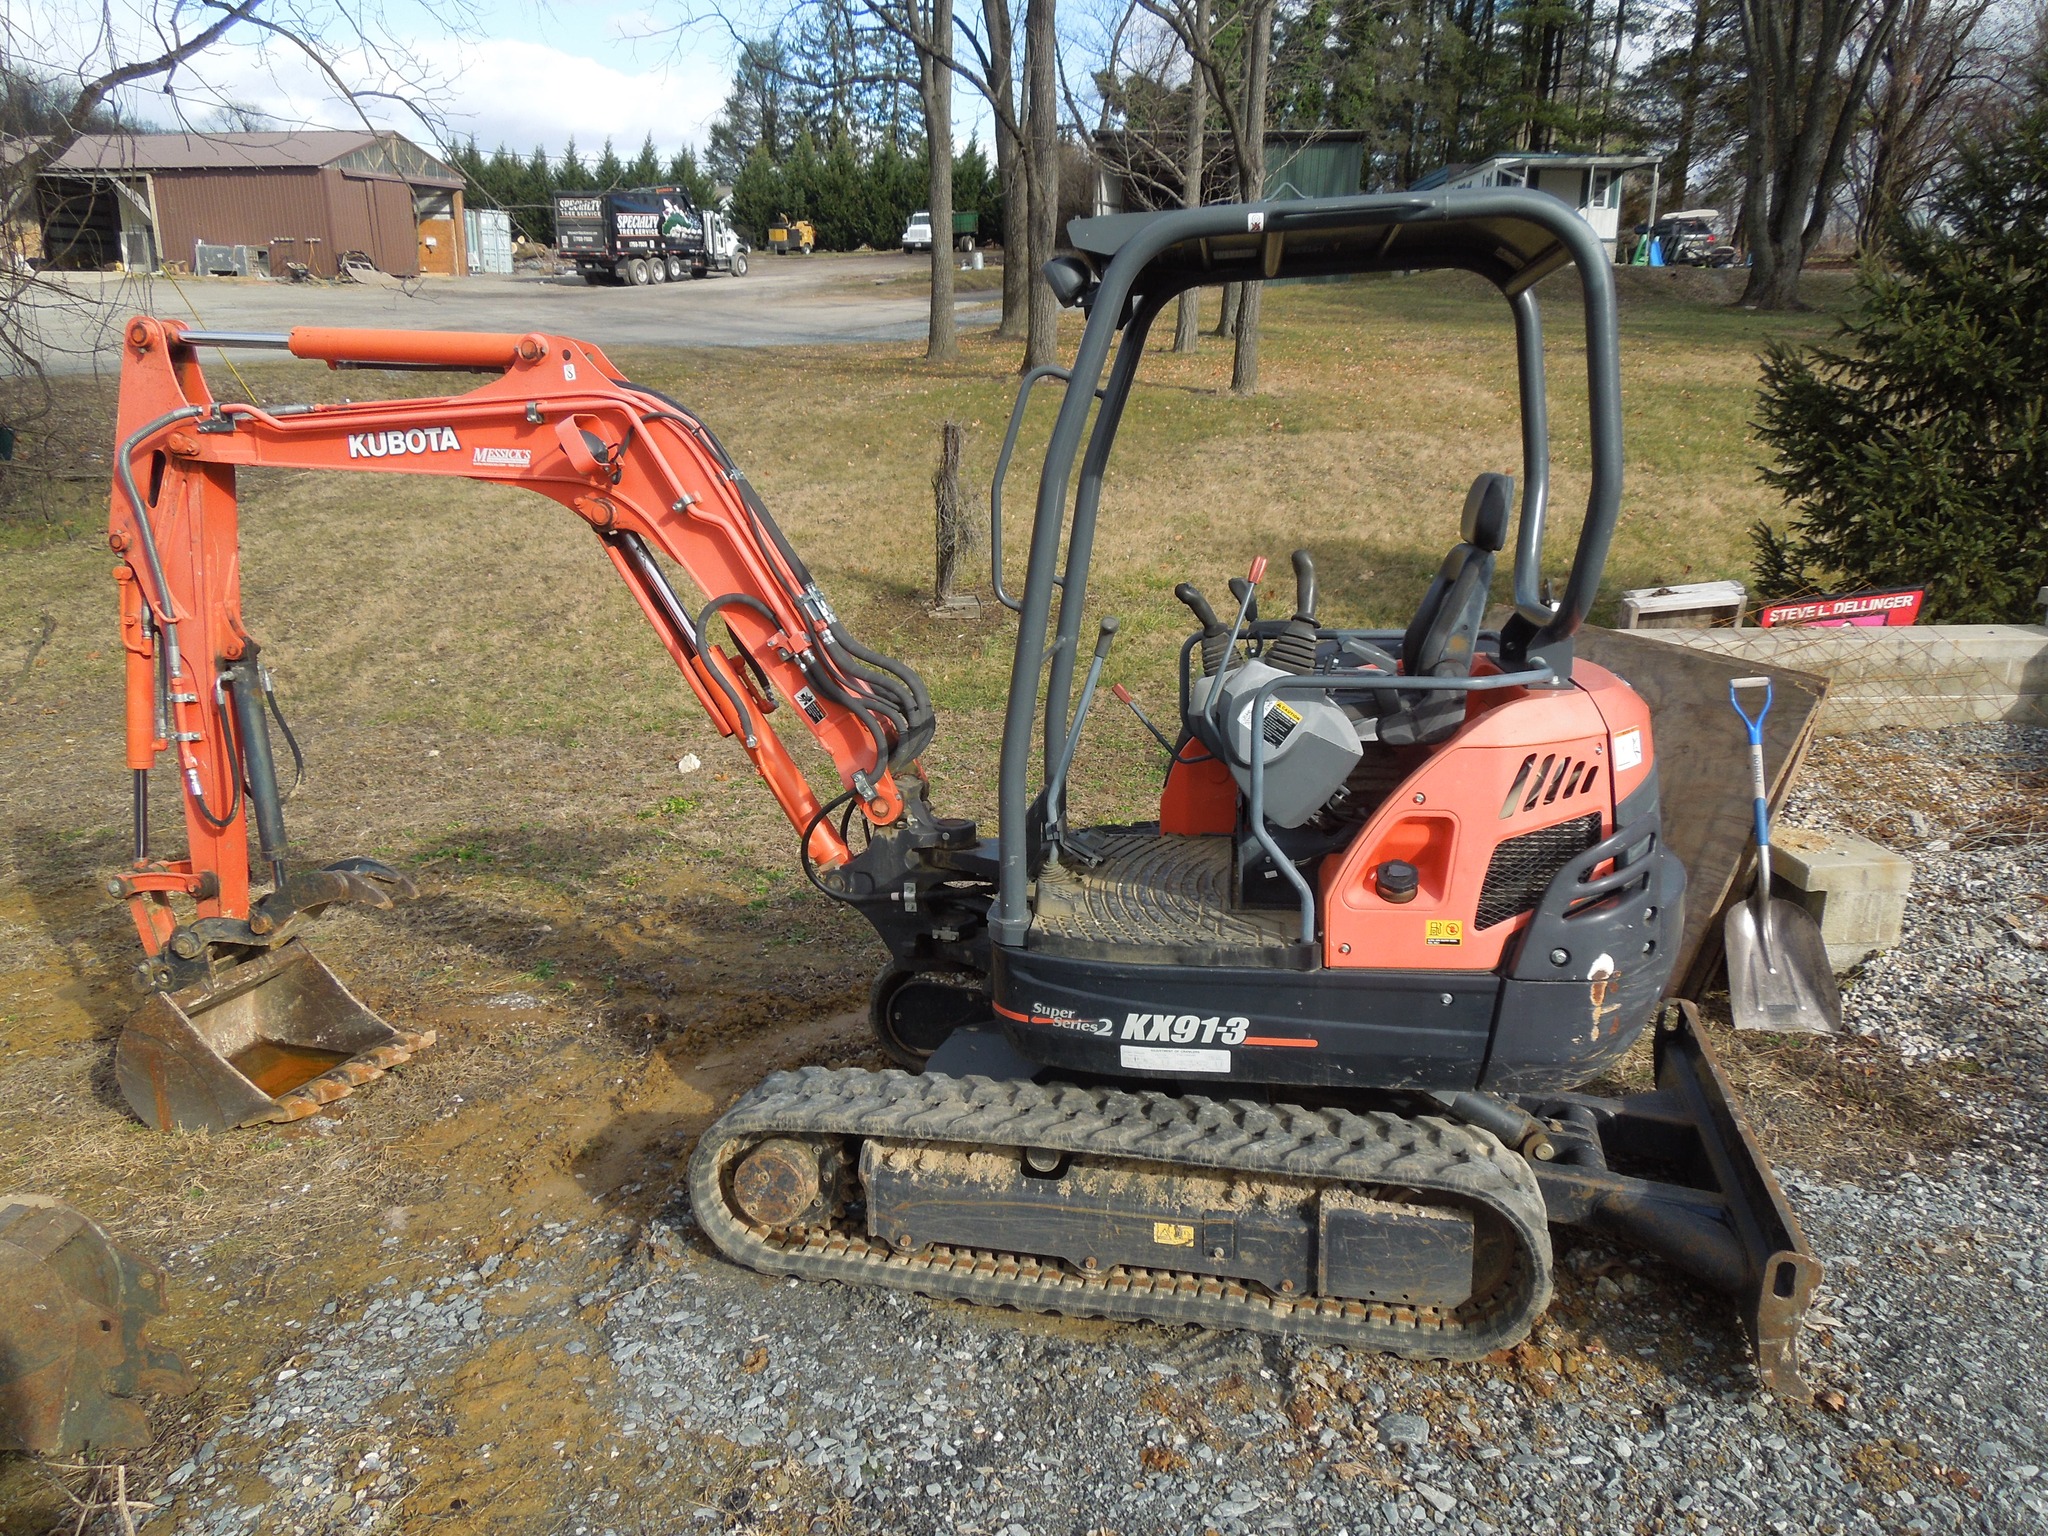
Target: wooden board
(1702, 756)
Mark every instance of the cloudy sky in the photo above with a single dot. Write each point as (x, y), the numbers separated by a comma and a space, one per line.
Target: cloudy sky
(521, 72)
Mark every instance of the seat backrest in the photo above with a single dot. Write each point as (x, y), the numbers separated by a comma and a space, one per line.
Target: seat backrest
(1440, 639)
(1446, 625)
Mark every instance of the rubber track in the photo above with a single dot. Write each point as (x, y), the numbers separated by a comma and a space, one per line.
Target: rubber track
(1423, 1155)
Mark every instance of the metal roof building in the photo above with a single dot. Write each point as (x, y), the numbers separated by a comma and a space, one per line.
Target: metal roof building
(269, 199)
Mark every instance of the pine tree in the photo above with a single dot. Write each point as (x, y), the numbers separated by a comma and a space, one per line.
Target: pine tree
(1916, 450)
(684, 171)
(611, 170)
(757, 195)
(572, 175)
(645, 171)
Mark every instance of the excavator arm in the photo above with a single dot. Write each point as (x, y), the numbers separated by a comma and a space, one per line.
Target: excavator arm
(552, 415)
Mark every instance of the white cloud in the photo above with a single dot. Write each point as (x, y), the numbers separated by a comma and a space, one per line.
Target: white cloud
(508, 90)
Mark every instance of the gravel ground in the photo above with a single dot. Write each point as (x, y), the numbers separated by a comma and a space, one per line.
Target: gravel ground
(692, 1395)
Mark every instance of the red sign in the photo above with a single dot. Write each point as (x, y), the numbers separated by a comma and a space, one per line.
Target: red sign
(1868, 609)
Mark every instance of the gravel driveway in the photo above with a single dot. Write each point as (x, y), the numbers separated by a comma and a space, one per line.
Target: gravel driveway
(649, 1386)
(782, 301)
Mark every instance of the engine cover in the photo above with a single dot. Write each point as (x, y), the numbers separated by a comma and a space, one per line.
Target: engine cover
(1310, 744)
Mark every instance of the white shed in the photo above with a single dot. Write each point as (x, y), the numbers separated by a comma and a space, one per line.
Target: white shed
(1590, 183)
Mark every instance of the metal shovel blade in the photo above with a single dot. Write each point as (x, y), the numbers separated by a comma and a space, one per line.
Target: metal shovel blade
(1779, 977)
(272, 1040)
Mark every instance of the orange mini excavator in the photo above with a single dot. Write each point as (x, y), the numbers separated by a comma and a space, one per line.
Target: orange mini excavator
(1298, 1054)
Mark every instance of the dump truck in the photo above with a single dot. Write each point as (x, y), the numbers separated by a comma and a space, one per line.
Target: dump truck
(639, 236)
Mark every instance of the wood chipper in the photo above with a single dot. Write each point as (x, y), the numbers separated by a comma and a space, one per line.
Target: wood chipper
(787, 236)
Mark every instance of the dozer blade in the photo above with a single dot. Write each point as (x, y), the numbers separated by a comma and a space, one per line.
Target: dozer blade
(272, 1040)
(1678, 1172)
(73, 1308)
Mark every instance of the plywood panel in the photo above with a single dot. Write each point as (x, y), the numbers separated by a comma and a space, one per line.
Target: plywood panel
(1703, 769)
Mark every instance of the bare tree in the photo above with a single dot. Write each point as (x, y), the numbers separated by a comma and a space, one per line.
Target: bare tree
(1946, 61)
(1187, 326)
(928, 26)
(1034, 135)
(167, 46)
(935, 88)
(998, 55)
(1041, 138)
(1238, 81)
(1810, 64)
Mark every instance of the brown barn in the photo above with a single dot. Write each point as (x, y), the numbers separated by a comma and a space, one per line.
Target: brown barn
(143, 200)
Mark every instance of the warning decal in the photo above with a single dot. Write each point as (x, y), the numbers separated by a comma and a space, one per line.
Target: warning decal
(1444, 930)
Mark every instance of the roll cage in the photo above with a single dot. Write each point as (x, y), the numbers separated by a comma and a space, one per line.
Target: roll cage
(1128, 267)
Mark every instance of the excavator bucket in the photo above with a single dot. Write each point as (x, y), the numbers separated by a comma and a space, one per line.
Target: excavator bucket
(272, 1040)
(73, 1308)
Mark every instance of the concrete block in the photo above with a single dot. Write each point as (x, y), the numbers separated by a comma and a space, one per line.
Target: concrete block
(1855, 889)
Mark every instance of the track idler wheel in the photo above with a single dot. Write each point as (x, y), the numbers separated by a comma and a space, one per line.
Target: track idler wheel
(788, 1181)
(912, 1012)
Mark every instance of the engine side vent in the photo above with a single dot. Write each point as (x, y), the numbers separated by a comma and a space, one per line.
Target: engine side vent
(1522, 867)
(1547, 780)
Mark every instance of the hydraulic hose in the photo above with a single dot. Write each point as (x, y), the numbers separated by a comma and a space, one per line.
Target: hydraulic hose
(908, 705)
(717, 669)
(167, 617)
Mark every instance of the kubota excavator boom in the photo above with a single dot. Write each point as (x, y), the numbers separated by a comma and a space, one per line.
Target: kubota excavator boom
(553, 416)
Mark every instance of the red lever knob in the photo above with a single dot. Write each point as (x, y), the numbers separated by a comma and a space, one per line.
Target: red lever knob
(1258, 570)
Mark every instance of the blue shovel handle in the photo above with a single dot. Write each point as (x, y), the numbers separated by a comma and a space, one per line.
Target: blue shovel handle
(1756, 751)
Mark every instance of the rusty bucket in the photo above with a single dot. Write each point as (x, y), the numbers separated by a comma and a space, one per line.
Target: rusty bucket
(272, 1040)
(73, 1311)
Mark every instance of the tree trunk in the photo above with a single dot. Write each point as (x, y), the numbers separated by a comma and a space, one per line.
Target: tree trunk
(1010, 168)
(1251, 176)
(1804, 105)
(1226, 319)
(935, 85)
(1680, 164)
(1042, 144)
(1187, 326)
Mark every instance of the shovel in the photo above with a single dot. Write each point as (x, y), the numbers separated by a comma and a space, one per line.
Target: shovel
(1779, 977)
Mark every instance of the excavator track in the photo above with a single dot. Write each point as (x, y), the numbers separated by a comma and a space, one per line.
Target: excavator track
(812, 1152)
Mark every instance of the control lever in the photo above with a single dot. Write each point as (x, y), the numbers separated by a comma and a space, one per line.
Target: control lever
(1246, 590)
(1215, 648)
(1056, 787)
(1294, 649)
(1143, 719)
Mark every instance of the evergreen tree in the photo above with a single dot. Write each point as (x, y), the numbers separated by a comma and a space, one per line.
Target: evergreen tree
(1916, 451)
(645, 171)
(536, 215)
(754, 113)
(757, 195)
(572, 175)
(684, 171)
(611, 170)
(977, 189)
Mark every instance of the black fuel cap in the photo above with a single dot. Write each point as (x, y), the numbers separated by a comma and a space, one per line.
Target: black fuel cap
(1397, 880)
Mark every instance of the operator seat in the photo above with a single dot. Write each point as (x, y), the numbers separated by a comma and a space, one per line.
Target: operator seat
(1440, 639)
